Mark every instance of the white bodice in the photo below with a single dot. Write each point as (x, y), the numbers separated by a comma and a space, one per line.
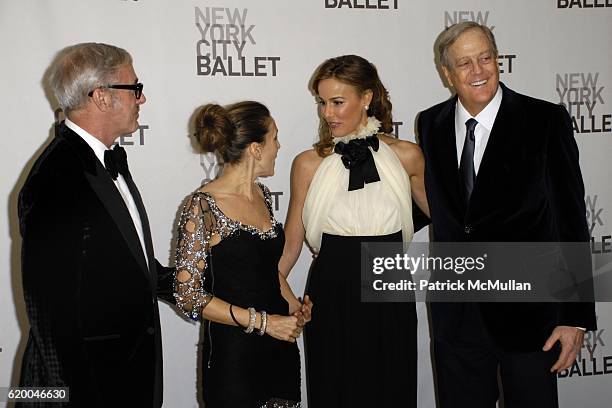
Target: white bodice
(380, 208)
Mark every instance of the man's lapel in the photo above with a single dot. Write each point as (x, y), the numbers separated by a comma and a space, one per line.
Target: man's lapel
(494, 166)
(109, 195)
(445, 144)
(146, 229)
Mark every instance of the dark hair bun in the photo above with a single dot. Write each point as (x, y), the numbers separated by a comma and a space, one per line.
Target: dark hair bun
(229, 130)
(213, 128)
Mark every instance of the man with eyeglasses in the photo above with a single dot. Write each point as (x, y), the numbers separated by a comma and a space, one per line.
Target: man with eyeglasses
(90, 278)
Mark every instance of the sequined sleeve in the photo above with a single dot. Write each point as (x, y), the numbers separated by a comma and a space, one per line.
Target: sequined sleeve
(197, 225)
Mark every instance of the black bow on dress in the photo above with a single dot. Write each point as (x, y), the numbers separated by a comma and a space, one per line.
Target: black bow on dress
(358, 159)
(115, 162)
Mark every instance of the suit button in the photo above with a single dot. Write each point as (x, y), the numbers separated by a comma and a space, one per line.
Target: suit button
(150, 330)
(468, 229)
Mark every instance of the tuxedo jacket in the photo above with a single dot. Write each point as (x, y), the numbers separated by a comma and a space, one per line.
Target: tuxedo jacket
(91, 299)
(528, 189)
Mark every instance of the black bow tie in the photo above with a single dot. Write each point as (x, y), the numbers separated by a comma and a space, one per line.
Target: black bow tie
(357, 157)
(115, 162)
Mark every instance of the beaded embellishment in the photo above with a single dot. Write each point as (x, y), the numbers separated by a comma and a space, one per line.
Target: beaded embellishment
(280, 403)
(200, 219)
(228, 226)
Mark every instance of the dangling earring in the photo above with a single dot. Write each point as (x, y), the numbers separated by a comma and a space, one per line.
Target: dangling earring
(367, 107)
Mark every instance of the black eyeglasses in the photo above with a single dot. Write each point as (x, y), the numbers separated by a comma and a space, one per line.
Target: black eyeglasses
(137, 88)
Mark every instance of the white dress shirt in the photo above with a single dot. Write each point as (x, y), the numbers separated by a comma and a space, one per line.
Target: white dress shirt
(99, 148)
(485, 119)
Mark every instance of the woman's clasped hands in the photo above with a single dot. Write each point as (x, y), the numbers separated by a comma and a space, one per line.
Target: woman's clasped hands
(289, 328)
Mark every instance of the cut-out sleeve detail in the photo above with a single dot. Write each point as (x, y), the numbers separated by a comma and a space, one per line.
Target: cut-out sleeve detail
(197, 225)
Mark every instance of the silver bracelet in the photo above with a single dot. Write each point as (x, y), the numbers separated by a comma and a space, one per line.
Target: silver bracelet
(252, 318)
(264, 323)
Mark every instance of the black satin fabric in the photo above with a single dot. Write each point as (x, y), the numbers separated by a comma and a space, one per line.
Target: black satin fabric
(357, 354)
(357, 157)
(247, 370)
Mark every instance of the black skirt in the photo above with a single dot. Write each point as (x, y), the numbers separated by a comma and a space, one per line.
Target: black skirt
(357, 354)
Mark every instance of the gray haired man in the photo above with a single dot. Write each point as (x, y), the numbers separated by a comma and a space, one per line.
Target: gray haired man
(90, 278)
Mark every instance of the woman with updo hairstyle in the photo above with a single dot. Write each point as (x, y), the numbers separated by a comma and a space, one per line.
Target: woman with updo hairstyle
(355, 186)
(229, 245)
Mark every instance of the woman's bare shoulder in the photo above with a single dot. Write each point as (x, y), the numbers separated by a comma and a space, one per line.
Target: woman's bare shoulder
(403, 148)
(307, 161)
(409, 153)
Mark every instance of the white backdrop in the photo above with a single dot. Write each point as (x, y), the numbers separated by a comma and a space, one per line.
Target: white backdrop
(548, 50)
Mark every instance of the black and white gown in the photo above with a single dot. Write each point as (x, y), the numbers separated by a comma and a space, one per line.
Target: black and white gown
(240, 370)
(357, 354)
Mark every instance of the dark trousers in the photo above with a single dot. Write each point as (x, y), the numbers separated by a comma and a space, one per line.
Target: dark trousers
(466, 368)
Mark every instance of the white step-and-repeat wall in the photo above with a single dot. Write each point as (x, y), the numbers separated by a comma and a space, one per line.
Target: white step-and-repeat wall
(189, 52)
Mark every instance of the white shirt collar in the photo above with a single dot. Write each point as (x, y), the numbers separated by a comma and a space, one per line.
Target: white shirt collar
(486, 117)
(96, 145)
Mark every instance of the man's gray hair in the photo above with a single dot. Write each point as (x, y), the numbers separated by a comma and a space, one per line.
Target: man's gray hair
(450, 35)
(81, 68)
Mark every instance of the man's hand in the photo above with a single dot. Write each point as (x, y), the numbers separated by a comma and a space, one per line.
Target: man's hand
(571, 341)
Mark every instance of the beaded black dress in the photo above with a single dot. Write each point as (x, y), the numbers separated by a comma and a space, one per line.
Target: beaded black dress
(240, 370)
